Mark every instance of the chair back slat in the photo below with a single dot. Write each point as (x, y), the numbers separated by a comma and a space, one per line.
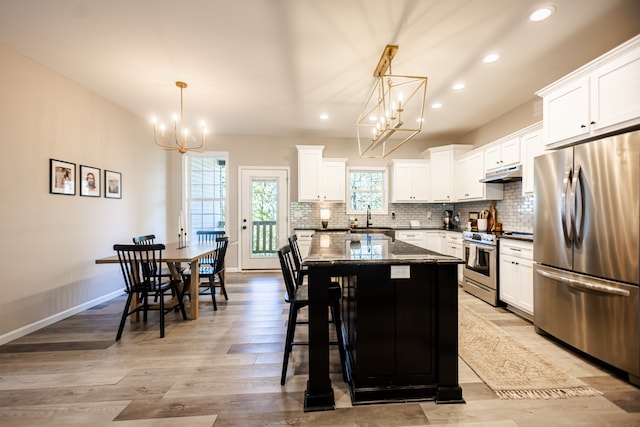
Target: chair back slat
(286, 265)
(208, 236)
(222, 243)
(295, 251)
(140, 265)
(148, 239)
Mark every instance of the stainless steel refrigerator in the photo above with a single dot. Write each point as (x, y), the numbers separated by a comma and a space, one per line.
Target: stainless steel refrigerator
(587, 248)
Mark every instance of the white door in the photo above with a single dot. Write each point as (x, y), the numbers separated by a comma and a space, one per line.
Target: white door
(264, 214)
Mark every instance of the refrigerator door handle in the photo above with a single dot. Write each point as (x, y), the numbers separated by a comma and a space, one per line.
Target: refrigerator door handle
(585, 284)
(563, 207)
(576, 231)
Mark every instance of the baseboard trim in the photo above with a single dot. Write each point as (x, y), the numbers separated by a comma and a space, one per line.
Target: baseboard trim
(27, 329)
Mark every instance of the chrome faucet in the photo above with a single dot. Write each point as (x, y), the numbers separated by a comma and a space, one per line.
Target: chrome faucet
(369, 224)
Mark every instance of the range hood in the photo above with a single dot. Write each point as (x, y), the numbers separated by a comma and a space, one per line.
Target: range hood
(510, 174)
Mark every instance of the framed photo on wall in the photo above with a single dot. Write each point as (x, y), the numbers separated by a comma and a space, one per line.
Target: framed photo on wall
(89, 181)
(112, 185)
(62, 177)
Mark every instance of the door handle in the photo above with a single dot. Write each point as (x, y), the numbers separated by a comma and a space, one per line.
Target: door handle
(566, 182)
(585, 284)
(577, 194)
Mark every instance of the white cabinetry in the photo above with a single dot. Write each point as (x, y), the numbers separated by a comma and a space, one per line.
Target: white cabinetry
(469, 172)
(516, 275)
(502, 153)
(410, 181)
(319, 179)
(442, 168)
(453, 244)
(601, 96)
(433, 241)
(304, 238)
(415, 237)
(532, 145)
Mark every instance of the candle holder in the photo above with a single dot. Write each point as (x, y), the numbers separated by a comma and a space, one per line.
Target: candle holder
(182, 239)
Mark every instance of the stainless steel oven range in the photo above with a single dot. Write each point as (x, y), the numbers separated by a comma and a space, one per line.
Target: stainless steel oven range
(480, 253)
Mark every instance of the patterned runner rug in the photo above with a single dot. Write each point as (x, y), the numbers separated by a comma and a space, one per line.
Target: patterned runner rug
(509, 368)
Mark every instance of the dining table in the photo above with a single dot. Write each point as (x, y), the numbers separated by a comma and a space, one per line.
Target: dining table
(174, 255)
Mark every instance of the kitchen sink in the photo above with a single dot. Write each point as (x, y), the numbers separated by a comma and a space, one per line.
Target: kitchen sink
(382, 230)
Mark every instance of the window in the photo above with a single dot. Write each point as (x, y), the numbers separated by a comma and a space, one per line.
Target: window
(205, 191)
(367, 187)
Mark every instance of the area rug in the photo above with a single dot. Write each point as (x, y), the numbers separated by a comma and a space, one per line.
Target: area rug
(508, 367)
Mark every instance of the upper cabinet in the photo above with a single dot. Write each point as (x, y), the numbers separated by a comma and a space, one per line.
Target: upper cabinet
(320, 179)
(469, 172)
(532, 145)
(501, 154)
(410, 181)
(442, 171)
(602, 96)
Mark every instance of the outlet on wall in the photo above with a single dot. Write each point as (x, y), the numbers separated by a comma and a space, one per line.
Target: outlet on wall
(428, 215)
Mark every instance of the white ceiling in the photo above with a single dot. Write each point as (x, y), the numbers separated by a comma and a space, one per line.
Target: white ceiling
(270, 67)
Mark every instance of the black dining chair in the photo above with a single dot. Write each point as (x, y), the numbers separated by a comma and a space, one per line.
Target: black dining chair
(211, 268)
(140, 266)
(300, 271)
(298, 298)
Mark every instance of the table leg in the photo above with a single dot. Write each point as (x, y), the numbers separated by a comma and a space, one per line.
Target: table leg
(319, 395)
(195, 289)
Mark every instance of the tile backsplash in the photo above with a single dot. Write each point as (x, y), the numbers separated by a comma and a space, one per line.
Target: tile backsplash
(515, 212)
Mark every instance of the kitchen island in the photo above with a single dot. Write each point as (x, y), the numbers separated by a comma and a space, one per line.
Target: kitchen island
(399, 318)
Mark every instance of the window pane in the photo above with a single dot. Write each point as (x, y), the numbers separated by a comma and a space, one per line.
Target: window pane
(206, 192)
(367, 188)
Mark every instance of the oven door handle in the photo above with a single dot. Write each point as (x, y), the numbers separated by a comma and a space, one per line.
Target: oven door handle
(584, 285)
(480, 246)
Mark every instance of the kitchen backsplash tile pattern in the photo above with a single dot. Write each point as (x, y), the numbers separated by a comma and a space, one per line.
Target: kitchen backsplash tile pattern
(515, 212)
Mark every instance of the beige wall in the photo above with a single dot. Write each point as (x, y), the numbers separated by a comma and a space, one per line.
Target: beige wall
(50, 242)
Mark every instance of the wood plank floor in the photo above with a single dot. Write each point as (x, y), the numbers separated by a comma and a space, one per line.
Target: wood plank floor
(224, 370)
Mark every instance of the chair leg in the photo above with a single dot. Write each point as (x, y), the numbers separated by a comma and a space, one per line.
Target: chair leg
(161, 296)
(125, 313)
(288, 345)
(222, 287)
(212, 288)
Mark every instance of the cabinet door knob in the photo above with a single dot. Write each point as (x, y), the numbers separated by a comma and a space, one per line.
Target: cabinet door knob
(593, 123)
(583, 126)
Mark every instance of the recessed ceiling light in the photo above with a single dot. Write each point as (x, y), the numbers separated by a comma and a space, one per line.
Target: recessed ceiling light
(542, 13)
(324, 116)
(458, 86)
(436, 105)
(492, 57)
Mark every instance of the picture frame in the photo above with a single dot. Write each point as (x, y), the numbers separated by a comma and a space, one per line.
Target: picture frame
(62, 177)
(112, 184)
(89, 181)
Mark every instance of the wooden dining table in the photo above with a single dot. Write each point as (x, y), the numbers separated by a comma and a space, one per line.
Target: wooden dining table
(174, 255)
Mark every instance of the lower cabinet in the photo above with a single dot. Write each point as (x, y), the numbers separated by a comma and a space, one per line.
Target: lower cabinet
(390, 326)
(516, 275)
(415, 237)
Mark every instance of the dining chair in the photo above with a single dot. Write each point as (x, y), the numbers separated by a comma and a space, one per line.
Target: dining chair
(300, 271)
(211, 268)
(140, 266)
(298, 298)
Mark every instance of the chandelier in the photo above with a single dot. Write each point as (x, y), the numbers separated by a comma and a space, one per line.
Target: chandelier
(393, 112)
(183, 140)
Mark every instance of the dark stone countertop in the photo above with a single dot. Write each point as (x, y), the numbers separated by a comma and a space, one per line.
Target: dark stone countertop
(371, 249)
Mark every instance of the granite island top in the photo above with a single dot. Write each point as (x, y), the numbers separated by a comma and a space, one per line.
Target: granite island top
(371, 248)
